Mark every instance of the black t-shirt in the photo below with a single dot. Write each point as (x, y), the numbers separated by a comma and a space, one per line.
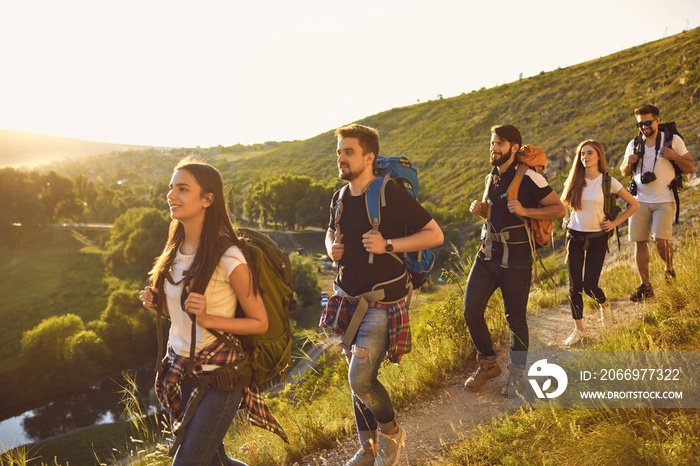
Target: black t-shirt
(533, 189)
(401, 215)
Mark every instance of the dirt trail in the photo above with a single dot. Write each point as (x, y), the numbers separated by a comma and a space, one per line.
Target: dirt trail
(433, 422)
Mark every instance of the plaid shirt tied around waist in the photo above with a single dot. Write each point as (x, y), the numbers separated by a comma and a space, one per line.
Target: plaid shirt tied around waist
(169, 390)
(338, 312)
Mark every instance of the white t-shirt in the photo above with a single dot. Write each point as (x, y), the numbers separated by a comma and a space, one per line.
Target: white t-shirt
(657, 191)
(221, 300)
(589, 216)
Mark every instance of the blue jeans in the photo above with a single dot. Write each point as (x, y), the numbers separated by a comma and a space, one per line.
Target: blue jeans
(370, 399)
(484, 278)
(202, 444)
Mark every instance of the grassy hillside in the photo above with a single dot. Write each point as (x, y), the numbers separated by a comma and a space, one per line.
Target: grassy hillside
(448, 138)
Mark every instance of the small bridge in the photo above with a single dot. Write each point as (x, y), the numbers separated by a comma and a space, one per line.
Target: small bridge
(82, 226)
(98, 232)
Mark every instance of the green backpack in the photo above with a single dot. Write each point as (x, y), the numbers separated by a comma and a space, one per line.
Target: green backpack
(270, 353)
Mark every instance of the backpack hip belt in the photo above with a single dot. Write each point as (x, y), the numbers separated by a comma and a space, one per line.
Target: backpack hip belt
(585, 238)
(361, 303)
(503, 237)
(228, 377)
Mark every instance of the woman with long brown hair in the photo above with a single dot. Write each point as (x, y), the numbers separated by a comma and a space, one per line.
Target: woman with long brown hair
(179, 290)
(588, 227)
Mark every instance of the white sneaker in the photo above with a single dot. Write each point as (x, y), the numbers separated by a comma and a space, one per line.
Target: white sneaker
(361, 459)
(606, 317)
(575, 337)
(390, 448)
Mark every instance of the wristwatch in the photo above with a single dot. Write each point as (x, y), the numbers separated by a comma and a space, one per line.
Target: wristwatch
(389, 246)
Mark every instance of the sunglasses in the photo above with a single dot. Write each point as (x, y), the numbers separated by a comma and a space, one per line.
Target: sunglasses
(648, 124)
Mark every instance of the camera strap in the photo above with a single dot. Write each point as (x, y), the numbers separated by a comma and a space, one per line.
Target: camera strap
(656, 155)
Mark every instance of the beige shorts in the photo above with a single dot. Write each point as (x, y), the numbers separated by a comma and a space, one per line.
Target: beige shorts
(652, 221)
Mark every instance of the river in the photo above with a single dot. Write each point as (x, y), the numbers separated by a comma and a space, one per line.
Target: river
(98, 404)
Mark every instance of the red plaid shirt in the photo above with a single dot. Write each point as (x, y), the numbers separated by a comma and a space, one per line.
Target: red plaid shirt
(338, 312)
(169, 391)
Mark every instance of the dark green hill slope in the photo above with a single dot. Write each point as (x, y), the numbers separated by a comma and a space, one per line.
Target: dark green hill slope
(448, 138)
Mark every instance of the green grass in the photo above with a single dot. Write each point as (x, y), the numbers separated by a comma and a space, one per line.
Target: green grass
(584, 437)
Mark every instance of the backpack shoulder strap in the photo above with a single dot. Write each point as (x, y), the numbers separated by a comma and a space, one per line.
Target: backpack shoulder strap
(639, 145)
(224, 244)
(375, 197)
(607, 182)
(485, 211)
(638, 150)
(607, 188)
(514, 186)
(339, 209)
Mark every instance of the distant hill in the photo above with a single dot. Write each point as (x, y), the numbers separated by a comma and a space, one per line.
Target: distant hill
(18, 148)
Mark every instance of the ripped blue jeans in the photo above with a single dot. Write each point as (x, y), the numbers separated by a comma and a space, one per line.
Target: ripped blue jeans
(370, 399)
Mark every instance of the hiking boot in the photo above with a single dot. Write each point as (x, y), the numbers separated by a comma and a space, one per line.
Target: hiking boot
(642, 293)
(516, 383)
(575, 337)
(606, 317)
(390, 448)
(669, 275)
(361, 458)
(488, 369)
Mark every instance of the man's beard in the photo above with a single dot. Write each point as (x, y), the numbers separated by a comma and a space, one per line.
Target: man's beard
(348, 175)
(500, 160)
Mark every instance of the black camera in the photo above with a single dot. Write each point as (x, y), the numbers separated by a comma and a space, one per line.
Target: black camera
(648, 177)
(676, 183)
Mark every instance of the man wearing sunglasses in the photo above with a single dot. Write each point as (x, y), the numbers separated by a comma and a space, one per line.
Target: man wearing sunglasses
(652, 160)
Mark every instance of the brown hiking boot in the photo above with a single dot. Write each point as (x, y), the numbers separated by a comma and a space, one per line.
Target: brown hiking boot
(488, 369)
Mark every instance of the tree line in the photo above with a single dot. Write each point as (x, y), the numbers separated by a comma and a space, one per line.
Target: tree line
(288, 201)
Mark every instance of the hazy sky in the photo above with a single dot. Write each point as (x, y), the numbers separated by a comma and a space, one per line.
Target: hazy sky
(189, 73)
